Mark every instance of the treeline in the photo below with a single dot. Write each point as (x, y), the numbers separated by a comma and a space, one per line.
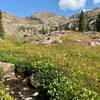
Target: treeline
(86, 24)
(1, 26)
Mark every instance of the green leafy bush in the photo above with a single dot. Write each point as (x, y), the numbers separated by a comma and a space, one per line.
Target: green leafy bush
(62, 89)
(58, 85)
(44, 73)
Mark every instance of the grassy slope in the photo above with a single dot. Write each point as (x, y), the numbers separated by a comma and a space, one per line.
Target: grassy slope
(80, 61)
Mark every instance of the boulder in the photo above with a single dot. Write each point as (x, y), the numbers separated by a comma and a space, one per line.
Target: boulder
(97, 43)
(77, 40)
(8, 69)
(92, 43)
(51, 40)
(57, 41)
(1, 40)
(33, 80)
(98, 40)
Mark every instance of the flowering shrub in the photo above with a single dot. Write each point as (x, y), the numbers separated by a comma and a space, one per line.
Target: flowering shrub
(44, 73)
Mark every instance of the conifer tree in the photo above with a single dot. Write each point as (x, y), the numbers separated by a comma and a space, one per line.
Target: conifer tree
(1, 26)
(82, 22)
(98, 23)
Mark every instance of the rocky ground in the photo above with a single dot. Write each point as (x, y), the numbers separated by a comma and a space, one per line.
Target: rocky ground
(18, 85)
(18, 89)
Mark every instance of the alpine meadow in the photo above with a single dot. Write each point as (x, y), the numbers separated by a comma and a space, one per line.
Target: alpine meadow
(50, 56)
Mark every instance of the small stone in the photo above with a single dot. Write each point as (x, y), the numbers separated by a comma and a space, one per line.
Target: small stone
(36, 94)
(19, 93)
(98, 40)
(15, 78)
(25, 80)
(25, 89)
(97, 43)
(1, 40)
(18, 76)
(93, 44)
(8, 79)
(7, 89)
(11, 78)
(12, 92)
(77, 40)
(32, 78)
(7, 86)
(28, 98)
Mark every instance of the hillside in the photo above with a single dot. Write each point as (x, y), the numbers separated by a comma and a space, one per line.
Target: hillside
(37, 21)
(16, 25)
(12, 23)
(50, 18)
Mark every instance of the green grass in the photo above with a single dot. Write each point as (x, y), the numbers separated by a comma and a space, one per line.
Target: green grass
(79, 61)
(3, 94)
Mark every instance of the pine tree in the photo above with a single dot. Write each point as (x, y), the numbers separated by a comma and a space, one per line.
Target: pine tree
(82, 22)
(98, 23)
(1, 26)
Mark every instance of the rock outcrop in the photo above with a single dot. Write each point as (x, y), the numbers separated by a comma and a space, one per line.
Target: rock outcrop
(7, 67)
(44, 22)
(12, 23)
(91, 17)
(34, 24)
(8, 70)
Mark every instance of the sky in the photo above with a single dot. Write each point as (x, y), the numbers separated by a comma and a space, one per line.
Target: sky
(25, 8)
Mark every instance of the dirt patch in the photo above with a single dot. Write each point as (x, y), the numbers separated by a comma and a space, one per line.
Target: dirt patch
(20, 88)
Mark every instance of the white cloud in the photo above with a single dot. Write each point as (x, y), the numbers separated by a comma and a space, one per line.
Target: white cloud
(96, 1)
(72, 4)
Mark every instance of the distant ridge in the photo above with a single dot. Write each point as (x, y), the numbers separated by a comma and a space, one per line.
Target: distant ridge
(17, 25)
